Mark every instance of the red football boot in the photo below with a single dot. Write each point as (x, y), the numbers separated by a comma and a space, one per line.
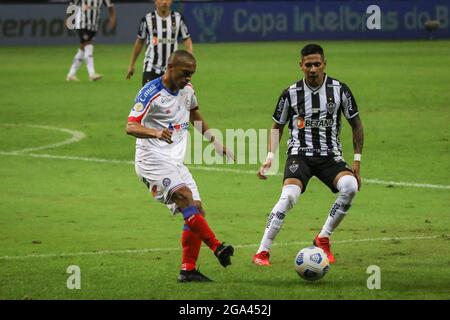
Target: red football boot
(324, 244)
(262, 258)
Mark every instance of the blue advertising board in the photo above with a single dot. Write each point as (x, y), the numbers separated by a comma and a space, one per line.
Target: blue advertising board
(300, 20)
(233, 21)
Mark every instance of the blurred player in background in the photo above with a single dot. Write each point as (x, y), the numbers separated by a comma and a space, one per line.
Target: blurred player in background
(87, 23)
(159, 30)
(312, 108)
(159, 120)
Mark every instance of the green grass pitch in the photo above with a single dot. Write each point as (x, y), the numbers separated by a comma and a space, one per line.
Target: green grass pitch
(64, 208)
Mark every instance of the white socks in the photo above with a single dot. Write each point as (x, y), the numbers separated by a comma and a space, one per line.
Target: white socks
(89, 56)
(347, 186)
(76, 63)
(288, 198)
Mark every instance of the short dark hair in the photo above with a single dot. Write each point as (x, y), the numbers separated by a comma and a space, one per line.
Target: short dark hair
(312, 48)
(181, 55)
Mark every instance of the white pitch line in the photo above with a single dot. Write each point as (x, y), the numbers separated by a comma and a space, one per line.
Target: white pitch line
(148, 250)
(51, 156)
(215, 169)
(75, 137)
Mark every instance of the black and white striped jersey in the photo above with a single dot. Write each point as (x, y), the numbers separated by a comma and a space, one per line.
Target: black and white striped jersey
(314, 116)
(88, 15)
(161, 36)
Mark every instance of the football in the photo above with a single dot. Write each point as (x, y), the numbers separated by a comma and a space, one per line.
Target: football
(311, 263)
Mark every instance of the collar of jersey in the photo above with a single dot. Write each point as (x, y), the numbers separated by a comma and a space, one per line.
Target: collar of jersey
(168, 90)
(314, 91)
(156, 12)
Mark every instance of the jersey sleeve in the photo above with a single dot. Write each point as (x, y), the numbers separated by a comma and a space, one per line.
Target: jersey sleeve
(184, 29)
(142, 103)
(349, 106)
(282, 109)
(193, 103)
(137, 112)
(142, 31)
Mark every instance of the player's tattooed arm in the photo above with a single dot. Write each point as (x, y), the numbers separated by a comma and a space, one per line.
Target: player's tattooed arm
(276, 133)
(358, 134)
(358, 143)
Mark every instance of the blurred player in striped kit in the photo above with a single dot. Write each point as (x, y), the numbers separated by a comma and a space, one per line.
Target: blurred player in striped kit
(159, 30)
(87, 23)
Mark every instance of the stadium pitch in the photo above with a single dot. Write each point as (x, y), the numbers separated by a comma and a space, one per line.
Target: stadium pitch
(69, 194)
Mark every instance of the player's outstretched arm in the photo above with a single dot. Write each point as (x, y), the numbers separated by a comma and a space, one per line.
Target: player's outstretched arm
(276, 133)
(112, 17)
(137, 130)
(200, 124)
(188, 46)
(358, 143)
(137, 48)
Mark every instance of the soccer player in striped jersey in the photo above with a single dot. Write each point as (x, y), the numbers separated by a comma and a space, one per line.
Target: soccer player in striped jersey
(159, 30)
(159, 120)
(87, 23)
(312, 109)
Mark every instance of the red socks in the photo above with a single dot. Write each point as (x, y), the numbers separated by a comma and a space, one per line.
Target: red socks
(191, 248)
(195, 230)
(200, 227)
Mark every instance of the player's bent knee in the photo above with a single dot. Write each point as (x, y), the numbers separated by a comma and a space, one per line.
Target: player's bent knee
(182, 197)
(198, 204)
(348, 186)
(290, 193)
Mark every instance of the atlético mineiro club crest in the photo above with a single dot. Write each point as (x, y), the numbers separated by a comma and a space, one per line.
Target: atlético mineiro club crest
(331, 106)
(293, 167)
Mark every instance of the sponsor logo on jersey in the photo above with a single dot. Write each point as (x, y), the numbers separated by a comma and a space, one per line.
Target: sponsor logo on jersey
(349, 101)
(178, 126)
(326, 123)
(143, 95)
(138, 107)
(300, 122)
(280, 106)
(165, 41)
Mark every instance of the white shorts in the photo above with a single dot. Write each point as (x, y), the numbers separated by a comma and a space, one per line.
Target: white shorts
(164, 178)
